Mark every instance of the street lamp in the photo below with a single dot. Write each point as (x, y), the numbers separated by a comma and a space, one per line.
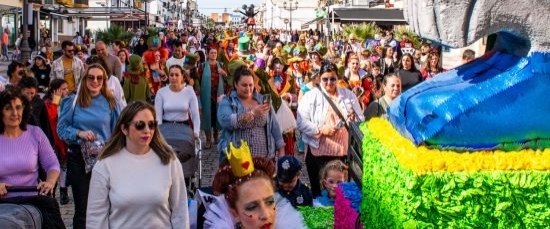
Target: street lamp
(290, 9)
(25, 49)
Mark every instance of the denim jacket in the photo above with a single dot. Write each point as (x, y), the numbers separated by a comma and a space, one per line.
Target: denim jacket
(58, 71)
(228, 110)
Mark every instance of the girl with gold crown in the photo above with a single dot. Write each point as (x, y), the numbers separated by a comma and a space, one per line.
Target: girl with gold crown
(245, 197)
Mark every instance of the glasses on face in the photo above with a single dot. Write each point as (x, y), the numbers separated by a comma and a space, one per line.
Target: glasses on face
(331, 181)
(140, 125)
(331, 79)
(92, 78)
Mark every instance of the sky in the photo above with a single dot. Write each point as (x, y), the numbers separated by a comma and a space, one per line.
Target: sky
(205, 6)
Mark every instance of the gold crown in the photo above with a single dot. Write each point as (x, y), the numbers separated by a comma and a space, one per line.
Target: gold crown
(240, 160)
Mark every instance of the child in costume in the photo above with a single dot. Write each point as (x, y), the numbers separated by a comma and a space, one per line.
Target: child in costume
(136, 85)
(289, 184)
(285, 88)
(240, 181)
(155, 68)
(332, 174)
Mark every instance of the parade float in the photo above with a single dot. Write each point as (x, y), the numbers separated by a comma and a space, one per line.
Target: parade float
(471, 147)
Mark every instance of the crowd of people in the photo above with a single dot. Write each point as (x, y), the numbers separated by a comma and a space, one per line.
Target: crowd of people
(111, 121)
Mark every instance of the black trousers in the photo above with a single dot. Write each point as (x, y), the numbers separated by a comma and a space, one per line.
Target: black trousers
(48, 207)
(80, 183)
(314, 164)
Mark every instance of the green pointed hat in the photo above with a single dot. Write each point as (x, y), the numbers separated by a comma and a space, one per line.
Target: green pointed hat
(299, 51)
(233, 66)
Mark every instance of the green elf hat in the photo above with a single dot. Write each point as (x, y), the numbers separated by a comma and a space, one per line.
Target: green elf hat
(233, 66)
(300, 51)
(136, 66)
(190, 61)
(154, 42)
(321, 49)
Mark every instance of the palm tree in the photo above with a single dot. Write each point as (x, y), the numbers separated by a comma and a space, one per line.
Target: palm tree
(114, 33)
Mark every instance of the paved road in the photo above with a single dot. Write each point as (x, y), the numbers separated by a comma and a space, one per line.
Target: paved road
(210, 164)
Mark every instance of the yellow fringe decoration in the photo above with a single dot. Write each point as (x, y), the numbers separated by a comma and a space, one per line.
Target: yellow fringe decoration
(422, 160)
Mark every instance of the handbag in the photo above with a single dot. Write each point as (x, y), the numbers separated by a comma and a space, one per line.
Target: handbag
(335, 108)
(90, 152)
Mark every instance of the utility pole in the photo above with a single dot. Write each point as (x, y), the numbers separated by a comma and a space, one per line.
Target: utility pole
(290, 9)
(327, 18)
(25, 49)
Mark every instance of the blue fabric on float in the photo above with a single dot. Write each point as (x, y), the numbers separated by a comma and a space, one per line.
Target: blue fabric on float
(498, 101)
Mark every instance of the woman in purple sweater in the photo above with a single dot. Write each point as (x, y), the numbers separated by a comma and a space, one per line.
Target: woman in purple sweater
(23, 147)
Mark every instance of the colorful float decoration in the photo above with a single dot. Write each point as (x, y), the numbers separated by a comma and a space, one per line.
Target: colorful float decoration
(471, 147)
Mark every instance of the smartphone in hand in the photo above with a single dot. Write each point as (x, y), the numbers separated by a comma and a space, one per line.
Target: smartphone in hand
(267, 99)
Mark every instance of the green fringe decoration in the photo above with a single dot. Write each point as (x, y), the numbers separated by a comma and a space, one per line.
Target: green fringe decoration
(318, 217)
(395, 197)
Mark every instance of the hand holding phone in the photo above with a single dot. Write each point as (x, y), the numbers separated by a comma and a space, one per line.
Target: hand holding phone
(267, 99)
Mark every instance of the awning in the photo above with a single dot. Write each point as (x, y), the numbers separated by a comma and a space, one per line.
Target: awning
(380, 16)
(306, 25)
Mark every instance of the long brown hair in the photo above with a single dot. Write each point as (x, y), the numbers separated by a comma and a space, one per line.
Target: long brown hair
(118, 140)
(85, 98)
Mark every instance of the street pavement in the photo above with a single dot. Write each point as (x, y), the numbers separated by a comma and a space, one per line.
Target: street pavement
(209, 167)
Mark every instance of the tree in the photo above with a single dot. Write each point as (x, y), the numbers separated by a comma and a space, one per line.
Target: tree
(114, 33)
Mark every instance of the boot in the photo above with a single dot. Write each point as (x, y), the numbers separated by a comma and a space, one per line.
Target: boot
(63, 196)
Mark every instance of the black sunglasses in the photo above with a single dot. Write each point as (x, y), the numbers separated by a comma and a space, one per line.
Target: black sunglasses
(140, 125)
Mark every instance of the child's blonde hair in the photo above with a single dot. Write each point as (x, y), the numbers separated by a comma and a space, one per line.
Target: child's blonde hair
(333, 165)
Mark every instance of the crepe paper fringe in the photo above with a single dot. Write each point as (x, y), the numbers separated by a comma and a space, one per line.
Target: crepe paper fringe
(450, 110)
(422, 160)
(395, 196)
(346, 206)
(318, 217)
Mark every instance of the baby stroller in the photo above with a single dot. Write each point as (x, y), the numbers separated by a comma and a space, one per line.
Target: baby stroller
(188, 151)
(26, 212)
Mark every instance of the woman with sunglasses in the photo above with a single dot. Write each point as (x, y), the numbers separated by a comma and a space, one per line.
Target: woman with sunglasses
(88, 116)
(323, 131)
(137, 152)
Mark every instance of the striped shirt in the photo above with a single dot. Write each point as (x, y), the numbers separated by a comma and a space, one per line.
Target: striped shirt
(335, 145)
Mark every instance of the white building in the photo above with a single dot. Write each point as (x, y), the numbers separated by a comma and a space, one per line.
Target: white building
(275, 13)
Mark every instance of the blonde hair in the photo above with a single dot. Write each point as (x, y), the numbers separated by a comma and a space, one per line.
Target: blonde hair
(334, 165)
(85, 98)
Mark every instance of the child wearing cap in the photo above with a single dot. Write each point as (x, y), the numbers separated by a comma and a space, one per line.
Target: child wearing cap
(288, 182)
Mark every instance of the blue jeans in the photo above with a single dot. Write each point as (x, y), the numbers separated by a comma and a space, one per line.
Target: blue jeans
(5, 50)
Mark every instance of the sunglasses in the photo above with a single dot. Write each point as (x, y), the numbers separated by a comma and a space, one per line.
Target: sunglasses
(92, 78)
(140, 125)
(332, 79)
